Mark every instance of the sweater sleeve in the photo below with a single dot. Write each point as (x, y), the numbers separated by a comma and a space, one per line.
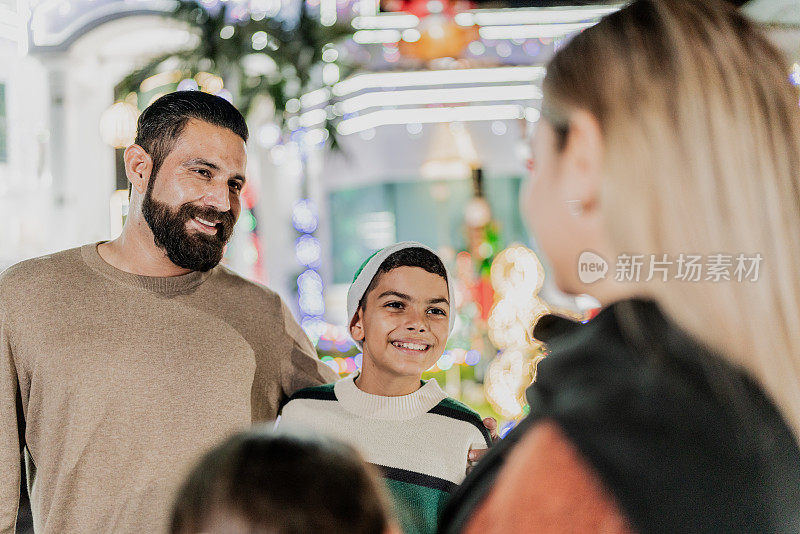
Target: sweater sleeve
(301, 367)
(291, 416)
(546, 486)
(9, 433)
(479, 439)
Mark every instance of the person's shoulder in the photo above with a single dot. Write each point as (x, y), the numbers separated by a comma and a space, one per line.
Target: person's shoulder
(226, 275)
(454, 409)
(310, 404)
(39, 265)
(599, 347)
(39, 270)
(248, 291)
(325, 392)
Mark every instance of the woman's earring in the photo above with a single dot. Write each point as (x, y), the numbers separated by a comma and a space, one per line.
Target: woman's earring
(575, 208)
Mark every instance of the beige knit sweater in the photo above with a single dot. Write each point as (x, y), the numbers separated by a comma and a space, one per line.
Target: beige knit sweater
(118, 382)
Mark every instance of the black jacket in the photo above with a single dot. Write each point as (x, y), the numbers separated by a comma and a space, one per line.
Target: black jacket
(683, 440)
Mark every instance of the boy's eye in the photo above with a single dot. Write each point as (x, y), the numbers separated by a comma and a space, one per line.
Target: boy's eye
(438, 311)
(394, 304)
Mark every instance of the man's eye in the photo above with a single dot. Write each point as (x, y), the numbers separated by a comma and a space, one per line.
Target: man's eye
(237, 186)
(203, 172)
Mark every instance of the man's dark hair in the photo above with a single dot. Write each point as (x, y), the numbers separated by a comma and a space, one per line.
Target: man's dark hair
(406, 257)
(163, 121)
(282, 483)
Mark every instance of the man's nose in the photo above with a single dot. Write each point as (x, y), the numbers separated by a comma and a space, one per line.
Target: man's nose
(218, 196)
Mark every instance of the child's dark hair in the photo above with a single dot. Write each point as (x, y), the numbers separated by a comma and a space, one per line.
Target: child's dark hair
(282, 483)
(407, 257)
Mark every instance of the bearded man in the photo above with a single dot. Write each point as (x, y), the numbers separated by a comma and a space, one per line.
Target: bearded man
(121, 362)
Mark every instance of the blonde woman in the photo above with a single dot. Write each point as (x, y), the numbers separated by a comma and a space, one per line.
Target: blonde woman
(669, 141)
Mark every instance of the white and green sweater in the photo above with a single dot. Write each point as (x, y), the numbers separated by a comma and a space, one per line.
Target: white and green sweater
(418, 441)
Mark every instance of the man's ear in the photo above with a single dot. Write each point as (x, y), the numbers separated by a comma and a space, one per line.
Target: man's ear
(357, 325)
(138, 166)
(583, 160)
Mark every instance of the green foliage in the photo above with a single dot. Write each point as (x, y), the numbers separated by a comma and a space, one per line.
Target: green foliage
(294, 50)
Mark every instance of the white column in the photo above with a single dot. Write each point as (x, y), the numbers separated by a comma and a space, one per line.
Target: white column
(280, 188)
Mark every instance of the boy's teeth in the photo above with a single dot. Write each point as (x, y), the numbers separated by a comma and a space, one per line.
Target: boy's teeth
(412, 346)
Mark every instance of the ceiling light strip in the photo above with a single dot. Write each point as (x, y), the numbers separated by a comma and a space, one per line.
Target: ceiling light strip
(386, 117)
(501, 17)
(438, 96)
(534, 31)
(437, 77)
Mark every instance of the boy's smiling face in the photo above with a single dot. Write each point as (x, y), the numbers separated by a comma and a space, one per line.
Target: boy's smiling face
(403, 325)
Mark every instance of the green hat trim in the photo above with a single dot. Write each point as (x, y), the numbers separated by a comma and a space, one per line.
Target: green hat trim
(364, 265)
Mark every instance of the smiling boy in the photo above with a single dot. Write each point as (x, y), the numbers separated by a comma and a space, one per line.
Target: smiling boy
(400, 310)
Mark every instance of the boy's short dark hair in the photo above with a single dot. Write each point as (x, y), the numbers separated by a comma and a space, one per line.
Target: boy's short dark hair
(282, 483)
(407, 257)
(163, 121)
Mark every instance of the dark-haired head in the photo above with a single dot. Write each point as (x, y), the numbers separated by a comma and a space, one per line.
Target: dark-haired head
(162, 122)
(407, 257)
(258, 481)
(195, 140)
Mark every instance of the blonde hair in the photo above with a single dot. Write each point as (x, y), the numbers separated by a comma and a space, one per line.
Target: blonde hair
(702, 156)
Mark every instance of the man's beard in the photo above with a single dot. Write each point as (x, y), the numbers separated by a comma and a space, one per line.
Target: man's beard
(195, 251)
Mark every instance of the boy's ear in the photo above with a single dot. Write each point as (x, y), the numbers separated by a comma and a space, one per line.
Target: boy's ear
(357, 325)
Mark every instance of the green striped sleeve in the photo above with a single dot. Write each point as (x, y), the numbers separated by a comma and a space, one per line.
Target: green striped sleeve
(450, 407)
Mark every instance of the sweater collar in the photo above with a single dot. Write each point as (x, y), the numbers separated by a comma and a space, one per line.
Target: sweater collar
(391, 408)
(167, 285)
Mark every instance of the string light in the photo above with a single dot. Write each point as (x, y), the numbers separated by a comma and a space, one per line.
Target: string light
(224, 93)
(472, 357)
(308, 250)
(118, 124)
(330, 74)
(310, 288)
(794, 77)
(329, 55)
(188, 84)
(268, 135)
(317, 97)
(517, 276)
(304, 216)
(259, 40)
(446, 361)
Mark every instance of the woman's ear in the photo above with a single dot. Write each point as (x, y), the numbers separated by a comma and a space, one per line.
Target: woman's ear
(138, 166)
(357, 325)
(582, 160)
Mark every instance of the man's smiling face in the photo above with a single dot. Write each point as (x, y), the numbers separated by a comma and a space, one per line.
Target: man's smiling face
(404, 323)
(193, 203)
